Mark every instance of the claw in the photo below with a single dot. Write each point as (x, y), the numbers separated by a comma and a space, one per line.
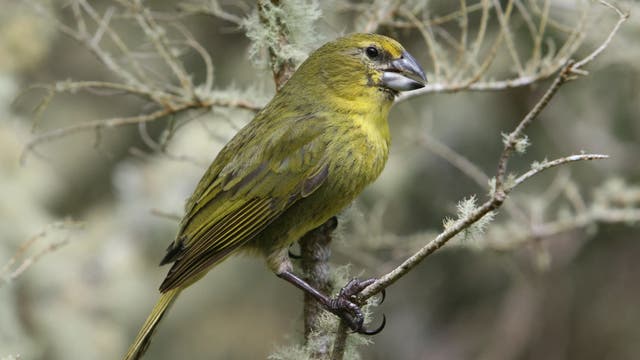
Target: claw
(354, 287)
(375, 331)
(344, 306)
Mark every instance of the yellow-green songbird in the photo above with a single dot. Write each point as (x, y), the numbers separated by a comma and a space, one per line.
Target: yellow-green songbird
(300, 161)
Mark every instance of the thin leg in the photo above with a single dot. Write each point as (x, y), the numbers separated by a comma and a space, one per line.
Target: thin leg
(342, 305)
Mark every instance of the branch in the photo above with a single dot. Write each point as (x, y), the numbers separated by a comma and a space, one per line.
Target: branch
(540, 167)
(133, 78)
(538, 67)
(212, 9)
(158, 38)
(9, 272)
(98, 125)
(315, 251)
(622, 17)
(511, 141)
(282, 68)
(384, 12)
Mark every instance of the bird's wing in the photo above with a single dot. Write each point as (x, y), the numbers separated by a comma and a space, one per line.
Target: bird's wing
(247, 187)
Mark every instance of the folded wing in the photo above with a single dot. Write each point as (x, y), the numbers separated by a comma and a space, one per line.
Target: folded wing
(246, 188)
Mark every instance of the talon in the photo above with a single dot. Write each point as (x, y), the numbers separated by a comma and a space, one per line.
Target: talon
(354, 287)
(376, 331)
(345, 306)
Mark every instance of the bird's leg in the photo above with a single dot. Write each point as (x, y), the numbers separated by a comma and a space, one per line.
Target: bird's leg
(344, 305)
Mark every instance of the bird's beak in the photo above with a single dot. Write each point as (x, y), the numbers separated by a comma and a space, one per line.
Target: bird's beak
(403, 74)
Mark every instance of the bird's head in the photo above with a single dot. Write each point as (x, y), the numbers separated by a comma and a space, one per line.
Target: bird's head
(362, 67)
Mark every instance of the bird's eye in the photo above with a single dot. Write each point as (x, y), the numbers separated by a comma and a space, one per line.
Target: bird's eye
(372, 52)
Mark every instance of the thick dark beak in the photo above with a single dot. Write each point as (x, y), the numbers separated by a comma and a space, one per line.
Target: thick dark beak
(404, 74)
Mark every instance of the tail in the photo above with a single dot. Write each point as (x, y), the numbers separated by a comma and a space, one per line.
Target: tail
(139, 346)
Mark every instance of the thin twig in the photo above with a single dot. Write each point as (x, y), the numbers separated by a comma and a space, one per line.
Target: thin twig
(428, 38)
(340, 341)
(460, 162)
(385, 11)
(9, 273)
(512, 139)
(282, 68)
(98, 124)
(622, 17)
(582, 220)
(160, 42)
(537, 44)
(503, 19)
(549, 164)
(212, 9)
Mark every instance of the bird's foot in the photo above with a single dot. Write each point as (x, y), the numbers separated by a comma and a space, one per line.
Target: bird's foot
(346, 306)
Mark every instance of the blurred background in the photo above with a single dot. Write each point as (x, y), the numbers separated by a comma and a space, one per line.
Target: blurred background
(86, 217)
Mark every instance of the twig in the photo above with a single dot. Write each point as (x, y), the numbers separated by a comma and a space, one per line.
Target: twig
(282, 68)
(468, 168)
(8, 272)
(428, 38)
(622, 17)
(503, 19)
(172, 105)
(376, 18)
(512, 139)
(460, 162)
(99, 124)
(131, 85)
(535, 57)
(315, 250)
(539, 69)
(212, 9)
(582, 220)
(549, 164)
(160, 42)
(340, 341)
(498, 85)
(452, 16)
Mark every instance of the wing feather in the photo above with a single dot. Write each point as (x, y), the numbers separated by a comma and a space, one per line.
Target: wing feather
(241, 198)
(227, 236)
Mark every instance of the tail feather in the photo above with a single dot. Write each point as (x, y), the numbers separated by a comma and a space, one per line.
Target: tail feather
(139, 346)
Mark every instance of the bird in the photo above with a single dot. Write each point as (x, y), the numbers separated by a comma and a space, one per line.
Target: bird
(302, 159)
